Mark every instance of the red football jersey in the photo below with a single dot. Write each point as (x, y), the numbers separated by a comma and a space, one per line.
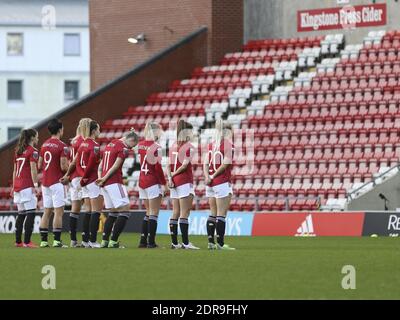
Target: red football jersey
(22, 162)
(87, 160)
(178, 153)
(51, 152)
(216, 157)
(75, 144)
(151, 172)
(114, 150)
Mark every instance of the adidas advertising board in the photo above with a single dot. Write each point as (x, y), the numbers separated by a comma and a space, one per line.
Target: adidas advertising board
(308, 224)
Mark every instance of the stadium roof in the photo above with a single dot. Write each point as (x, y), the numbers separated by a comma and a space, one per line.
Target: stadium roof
(29, 12)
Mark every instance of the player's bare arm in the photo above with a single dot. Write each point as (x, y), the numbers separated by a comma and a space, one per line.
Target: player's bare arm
(100, 170)
(182, 168)
(117, 164)
(13, 181)
(71, 168)
(206, 168)
(64, 164)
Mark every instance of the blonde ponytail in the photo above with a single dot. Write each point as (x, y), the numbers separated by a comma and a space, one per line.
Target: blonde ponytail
(84, 122)
(149, 130)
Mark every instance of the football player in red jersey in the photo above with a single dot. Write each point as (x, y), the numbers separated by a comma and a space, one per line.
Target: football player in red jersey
(151, 182)
(114, 192)
(25, 181)
(217, 171)
(180, 183)
(86, 162)
(53, 162)
(76, 192)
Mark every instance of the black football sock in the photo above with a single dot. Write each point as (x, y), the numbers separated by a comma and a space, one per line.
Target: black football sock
(119, 226)
(220, 230)
(145, 230)
(86, 227)
(29, 221)
(19, 226)
(73, 225)
(173, 230)
(211, 221)
(109, 224)
(57, 234)
(152, 229)
(94, 226)
(184, 226)
(44, 233)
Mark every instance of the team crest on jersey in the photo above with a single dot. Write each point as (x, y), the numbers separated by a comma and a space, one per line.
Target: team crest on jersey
(96, 150)
(35, 155)
(66, 151)
(126, 152)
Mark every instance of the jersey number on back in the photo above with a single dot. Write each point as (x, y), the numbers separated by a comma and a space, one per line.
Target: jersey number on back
(106, 161)
(213, 160)
(82, 162)
(47, 159)
(143, 167)
(20, 165)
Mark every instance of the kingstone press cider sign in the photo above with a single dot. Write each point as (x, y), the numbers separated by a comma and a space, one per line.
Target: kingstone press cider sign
(346, 17)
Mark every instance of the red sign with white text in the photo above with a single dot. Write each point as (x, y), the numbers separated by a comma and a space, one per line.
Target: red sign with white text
(308, 224)
(347, 17)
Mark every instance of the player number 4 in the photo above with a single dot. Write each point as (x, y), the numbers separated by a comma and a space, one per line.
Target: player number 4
(143, 167)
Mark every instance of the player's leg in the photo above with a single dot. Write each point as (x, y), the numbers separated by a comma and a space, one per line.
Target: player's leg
(119, 226)
(57, 227)
(155, 195)
(186, 205)
(73, 221)
(96, 205)
(111, 218)
(44, 227)
(211, 222)
(27, 207)
(58, 198)
(86, 219)
(222, 209)
(108, 227)
(173, 224)
(19, 225)
(119, 200)
(28, 226)
(145, 223)
(20, 220)
(76, 205)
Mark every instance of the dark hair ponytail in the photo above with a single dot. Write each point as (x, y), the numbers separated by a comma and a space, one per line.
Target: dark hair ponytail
(181, 127)
(93, 126)
(24, 140)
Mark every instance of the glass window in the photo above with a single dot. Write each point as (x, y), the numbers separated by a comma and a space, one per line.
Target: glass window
(15, 44)
(71, 90)
(14, 90)
(13, 132)
(72, 44)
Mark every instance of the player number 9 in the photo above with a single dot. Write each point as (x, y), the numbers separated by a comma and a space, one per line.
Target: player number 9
(47, 159)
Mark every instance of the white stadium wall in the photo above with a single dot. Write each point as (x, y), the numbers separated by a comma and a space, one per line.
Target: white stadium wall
(265, 19)
(43, 68)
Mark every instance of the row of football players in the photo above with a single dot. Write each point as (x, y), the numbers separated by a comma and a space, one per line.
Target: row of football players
(95, 178)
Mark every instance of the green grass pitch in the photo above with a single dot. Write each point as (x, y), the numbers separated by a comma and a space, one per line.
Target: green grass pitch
(260, 268)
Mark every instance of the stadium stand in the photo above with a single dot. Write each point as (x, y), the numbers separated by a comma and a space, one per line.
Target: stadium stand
(325, 116)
